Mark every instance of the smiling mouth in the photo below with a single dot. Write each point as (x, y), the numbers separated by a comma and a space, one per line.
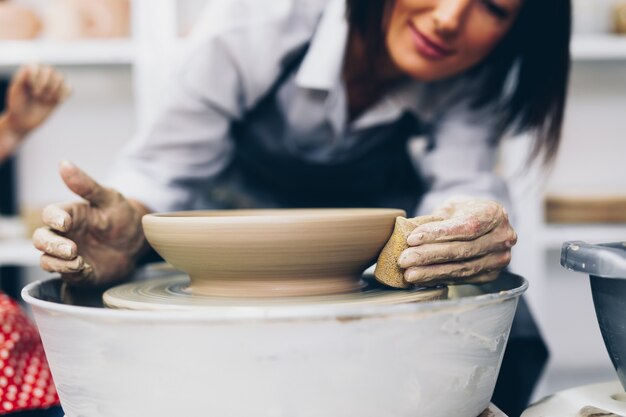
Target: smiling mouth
(427, 47)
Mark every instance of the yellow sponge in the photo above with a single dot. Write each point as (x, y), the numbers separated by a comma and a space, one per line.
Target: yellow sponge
(387, 270)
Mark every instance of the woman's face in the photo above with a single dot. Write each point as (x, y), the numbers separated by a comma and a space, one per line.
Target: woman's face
(435, 39)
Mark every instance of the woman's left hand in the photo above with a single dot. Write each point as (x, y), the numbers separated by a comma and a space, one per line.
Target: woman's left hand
(471, 245)
(35, 91)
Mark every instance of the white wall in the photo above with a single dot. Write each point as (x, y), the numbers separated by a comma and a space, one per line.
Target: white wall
(89, 129)
(593, 155)
(590, 161)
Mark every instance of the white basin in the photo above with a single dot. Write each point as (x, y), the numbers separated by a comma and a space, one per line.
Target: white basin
(434, 359)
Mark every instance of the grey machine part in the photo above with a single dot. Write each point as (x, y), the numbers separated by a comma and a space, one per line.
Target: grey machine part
(606, 266)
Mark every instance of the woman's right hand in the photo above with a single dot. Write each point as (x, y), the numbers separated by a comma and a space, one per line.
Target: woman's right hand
(93, 242)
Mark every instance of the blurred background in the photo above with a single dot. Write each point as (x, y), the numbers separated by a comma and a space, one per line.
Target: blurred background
(117, 55)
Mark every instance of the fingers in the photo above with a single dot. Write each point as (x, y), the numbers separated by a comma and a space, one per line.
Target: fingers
(54, 245)
(61, 256)
(20, 85)
(57, 218)
(51, 264)
(84, 186)
(452, 204)
(457, 228)
(43, 76)
(65, 218)
(56, 90)
(498, 240)
(83, 278)
(472, 246)
(469, 221)
(40, 82)
(21, 79)
(65, 92)
(59, 253)
(52, 91)
(482, 278)
(34, 71)
(455, 271)
(45, 83)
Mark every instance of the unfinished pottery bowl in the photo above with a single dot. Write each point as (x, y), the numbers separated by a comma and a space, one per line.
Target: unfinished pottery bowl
(272, 252)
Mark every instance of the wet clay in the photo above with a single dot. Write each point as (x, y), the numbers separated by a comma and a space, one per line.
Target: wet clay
(387, 270)
(595, 412)
(272, 253)
(171, 293)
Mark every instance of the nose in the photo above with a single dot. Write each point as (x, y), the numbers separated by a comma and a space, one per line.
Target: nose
(449, 16)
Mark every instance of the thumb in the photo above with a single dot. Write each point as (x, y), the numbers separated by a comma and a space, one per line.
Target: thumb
(83, 185)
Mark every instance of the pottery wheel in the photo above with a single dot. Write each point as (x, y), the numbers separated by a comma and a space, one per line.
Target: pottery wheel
(171, 293)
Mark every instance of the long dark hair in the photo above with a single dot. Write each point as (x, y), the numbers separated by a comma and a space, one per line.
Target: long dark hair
(537, 47)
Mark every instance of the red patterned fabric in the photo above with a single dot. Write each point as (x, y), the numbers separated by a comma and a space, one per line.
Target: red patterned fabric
(25, 380)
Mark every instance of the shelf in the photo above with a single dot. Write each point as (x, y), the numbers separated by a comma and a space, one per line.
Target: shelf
(121, 51)
(552, 236)
(83, 52)
(598, 47)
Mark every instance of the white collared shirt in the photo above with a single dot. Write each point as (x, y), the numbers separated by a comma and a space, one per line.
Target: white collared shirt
(236, 58)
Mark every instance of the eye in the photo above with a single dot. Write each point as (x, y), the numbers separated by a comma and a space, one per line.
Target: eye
(496, 10)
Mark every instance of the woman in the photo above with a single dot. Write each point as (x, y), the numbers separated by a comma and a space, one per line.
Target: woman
(301, 103)
(297, 105)
(25, 382)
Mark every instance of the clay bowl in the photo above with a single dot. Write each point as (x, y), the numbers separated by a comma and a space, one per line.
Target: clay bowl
(272, 252)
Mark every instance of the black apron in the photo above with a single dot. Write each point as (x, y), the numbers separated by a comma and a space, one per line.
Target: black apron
(381, 175)
(378, 174)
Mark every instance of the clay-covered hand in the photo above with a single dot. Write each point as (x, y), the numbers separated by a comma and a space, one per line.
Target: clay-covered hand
(35, 91)
(471, 245)
(92, 242)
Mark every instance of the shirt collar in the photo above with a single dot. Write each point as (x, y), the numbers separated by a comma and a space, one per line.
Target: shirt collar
(322, 66)
(405, 97)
